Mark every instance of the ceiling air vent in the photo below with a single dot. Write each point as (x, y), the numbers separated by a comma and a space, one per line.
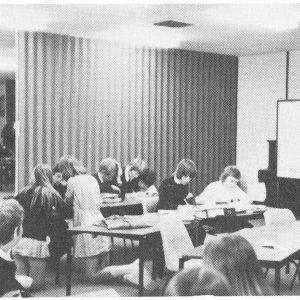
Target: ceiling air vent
(172, 23)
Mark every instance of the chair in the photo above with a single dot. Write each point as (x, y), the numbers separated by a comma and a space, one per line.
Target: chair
(149, 204)
(280, 216)
(175, 239)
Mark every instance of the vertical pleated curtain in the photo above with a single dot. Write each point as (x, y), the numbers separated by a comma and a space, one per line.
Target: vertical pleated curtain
(93, 99)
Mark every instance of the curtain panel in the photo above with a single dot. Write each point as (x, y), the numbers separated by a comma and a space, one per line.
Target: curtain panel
(92, 99)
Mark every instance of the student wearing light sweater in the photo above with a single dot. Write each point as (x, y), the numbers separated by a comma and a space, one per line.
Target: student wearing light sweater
(224, 191)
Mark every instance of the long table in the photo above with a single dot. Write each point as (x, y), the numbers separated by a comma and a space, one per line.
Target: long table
(145, 236)
(275, 246)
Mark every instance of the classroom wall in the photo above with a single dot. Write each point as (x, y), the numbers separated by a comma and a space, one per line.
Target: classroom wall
(94, 99)
(294, 75)
(2, 105)
(262, 81)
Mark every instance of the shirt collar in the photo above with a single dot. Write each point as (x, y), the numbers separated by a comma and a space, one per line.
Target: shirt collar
(100, 177)
(176, 180)
(5, 255)
(126, 173)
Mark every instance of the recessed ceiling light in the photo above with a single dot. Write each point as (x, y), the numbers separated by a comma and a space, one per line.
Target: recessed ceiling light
(172, 23)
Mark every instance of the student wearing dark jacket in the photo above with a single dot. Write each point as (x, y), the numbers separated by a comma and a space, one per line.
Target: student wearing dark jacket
(43, 222)
(108, 176)
(130, 174)
(174, 190)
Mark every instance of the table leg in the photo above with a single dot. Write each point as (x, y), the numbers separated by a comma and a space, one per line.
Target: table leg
(68, 270)
(277, 280)
(141, 267)
(155, 263)
(181, 263)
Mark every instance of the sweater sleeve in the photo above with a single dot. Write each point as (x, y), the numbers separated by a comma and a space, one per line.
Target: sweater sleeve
(69, 199)
(205, 197)
(163, 194)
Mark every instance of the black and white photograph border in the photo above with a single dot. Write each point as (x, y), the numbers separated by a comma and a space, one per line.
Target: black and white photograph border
(149, 149)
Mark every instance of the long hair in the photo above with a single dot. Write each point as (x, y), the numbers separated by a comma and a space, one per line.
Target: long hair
(69, 167)
(44, 195)
(186, 167)
(198, 281)
(235, 258)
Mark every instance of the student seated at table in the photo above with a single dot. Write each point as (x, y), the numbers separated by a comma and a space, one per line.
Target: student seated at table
(11, 217)
(197, 281)
(146, 183)
(226, 190)
(108, 176)
(92, 253)
(43, 221)
(130, 174)
(235, 258)
(174, 190)
(62, 171)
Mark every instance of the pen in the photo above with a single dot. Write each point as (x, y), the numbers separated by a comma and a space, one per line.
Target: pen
(269, 247)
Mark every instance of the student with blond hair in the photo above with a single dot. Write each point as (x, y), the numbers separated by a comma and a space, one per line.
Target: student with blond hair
(174, 190)
(108, 176)
(11, 218)
(83, 193)
(197, 281)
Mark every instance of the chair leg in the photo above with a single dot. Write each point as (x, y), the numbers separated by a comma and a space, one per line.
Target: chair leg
(57, 271)
(266, 272)
(287, 268)
(111, 251)
(295, 275)
(125, 249)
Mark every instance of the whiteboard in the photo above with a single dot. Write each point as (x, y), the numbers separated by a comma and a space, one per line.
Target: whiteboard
(288, 139)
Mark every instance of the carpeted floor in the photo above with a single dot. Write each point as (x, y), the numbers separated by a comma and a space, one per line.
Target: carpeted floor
(80, 287)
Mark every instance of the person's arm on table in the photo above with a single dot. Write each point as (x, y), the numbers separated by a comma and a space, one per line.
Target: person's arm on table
(205, 197)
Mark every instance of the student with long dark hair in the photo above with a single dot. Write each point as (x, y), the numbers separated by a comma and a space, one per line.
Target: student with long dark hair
(44, 218)
(235, 258)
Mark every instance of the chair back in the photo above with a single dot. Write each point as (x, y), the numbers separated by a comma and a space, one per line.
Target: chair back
(278, 216)
(121, 210)
(175, 239)
(149, 204)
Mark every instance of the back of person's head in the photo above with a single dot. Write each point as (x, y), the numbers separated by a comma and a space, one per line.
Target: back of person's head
(44, 195)
(230, 171)
(11, 217)
(198, 281)
(108, 169)
(147, 177)
(69, 167)
(186, 167)
(43, 175)
(235, 258)
(137, 165)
